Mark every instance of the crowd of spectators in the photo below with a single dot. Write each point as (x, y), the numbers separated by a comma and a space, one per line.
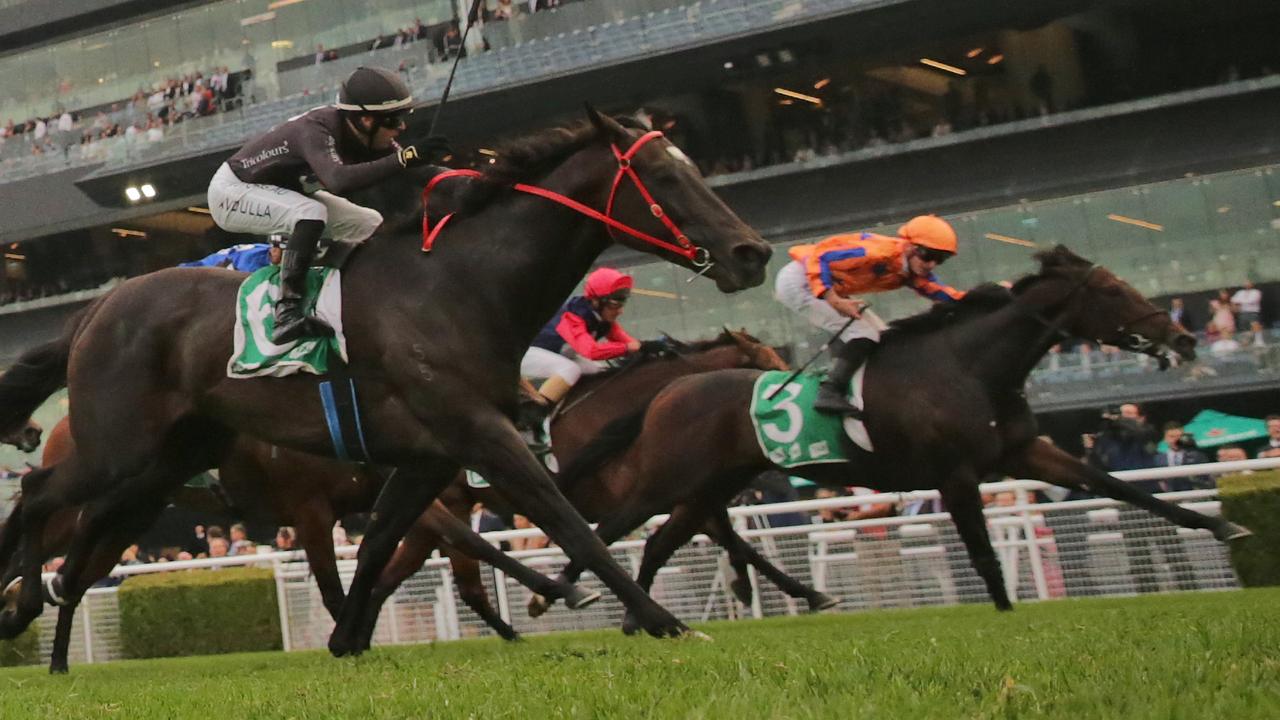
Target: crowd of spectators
(142, 119)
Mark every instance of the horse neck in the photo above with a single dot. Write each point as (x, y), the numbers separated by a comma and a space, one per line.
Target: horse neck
(518, 258)
(639, 381)
(1004, 346)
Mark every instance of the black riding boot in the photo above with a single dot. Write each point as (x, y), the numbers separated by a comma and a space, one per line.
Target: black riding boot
(832, 393)
(290, 322)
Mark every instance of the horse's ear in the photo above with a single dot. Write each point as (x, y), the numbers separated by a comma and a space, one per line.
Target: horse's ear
(606, 127)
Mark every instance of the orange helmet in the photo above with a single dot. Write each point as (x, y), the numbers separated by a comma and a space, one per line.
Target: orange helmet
(929, 231)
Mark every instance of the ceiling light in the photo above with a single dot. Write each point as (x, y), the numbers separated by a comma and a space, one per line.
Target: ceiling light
(1134, 221)
(798, 96)
(148, 190)
(255, 19)
(125, 232)
(282, 3)
(973, 53)
(728, 64)
(822, 83)
(133, 193)
(994, 59)
(14, 256)
(487, 151)
(763, 60)
(943, 66)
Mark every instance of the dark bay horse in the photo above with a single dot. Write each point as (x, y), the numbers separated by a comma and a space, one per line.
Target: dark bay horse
(944, 393)
(25, 438)
(616, 499)
(310, 493)
(435, 340)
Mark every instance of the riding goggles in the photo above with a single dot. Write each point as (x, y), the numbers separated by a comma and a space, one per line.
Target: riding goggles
(932, 256)
(617, 299)
(393, 120)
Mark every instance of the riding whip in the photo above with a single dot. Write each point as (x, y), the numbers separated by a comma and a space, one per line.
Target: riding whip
(872, 319)
(472, 16)
(835, 336)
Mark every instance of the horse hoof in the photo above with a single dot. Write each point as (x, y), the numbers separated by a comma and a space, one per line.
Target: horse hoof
(742, 590)
(538, 606)
(822, 601)
(1230, 531)
(578, 598)
(696, 635)
(630, 626)
(58, 669)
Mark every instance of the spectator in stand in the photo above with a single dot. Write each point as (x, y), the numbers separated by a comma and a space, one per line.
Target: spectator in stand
(1126, 441)
(219, 547)
(340, 538)
(505, 10)
(829, 515)
(1231, 453)
(1272, 449)
(452, 42)
(240, 543)
(528, 543)
(286, 539)
(1180, 449)
(1247, 304)
(320, 54)
(1178, 313)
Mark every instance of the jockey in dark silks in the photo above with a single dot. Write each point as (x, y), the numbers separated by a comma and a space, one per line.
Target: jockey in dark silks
(824, 277)
(291, 181)
(582, 336)
(243, 258)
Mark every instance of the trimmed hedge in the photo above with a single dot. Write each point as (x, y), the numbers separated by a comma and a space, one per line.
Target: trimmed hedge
(22, 650)
(1253, 500)
(199, 612)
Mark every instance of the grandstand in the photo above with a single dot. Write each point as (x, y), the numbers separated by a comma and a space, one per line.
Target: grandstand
(1026, 124)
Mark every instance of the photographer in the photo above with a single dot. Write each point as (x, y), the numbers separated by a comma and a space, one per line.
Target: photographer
(1126, 441)
(1181, 449)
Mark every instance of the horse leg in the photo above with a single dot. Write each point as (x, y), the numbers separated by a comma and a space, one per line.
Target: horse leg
(105, 557)
(1042, 461)
(38, 504)
(610, 530)
(720, 528)
(404, 497)
(314, 525)
(459, 536)
(466, 572)
(964, 501)
(500, 456)
(670, 537)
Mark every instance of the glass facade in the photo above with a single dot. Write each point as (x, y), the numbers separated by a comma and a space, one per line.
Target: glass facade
(111, 66)
(1182, 236)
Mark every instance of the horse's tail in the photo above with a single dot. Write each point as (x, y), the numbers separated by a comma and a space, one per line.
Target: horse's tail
(39, 373)
(613, 440)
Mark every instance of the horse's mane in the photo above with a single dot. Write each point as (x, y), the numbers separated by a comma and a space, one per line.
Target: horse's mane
(526, 158)
(981, 300)
(683, 348)
(989, 297)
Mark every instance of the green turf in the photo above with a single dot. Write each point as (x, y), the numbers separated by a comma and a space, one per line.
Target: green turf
(1201, 655)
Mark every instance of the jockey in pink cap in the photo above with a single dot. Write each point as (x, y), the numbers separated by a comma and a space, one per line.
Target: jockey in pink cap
(582, 335)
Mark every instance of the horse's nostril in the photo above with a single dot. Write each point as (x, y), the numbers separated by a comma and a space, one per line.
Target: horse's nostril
(752, 253)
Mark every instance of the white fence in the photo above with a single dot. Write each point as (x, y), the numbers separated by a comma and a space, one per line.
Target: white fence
(1049, 550)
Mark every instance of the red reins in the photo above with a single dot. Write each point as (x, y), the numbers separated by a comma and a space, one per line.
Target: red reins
(682, 246)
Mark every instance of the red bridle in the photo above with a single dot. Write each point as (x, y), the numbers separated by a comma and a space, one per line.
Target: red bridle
(699, 257)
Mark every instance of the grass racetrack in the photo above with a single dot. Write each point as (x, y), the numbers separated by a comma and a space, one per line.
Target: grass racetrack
(1193, 655)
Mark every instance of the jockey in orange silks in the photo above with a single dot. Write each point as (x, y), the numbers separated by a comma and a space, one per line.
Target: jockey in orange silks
(822, 282)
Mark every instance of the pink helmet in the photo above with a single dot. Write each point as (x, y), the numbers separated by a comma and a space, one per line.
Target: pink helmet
(605, 282)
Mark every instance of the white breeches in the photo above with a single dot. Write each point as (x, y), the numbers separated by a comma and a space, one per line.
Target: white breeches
(792, 289)
(243, 207)
(541, 364)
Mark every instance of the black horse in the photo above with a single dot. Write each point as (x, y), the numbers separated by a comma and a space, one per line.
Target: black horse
(436, 342)
(945, 402)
